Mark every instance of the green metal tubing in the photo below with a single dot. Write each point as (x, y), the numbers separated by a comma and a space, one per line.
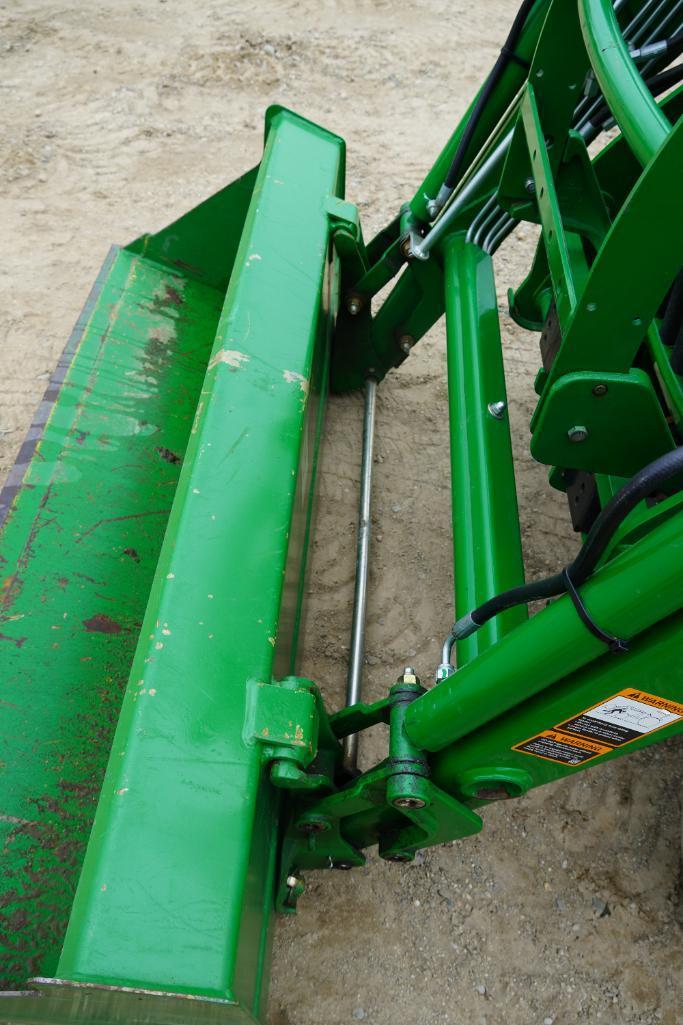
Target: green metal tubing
(486, 538)
(628, 595)
(486, 757)
(643, 124)
(175, 897)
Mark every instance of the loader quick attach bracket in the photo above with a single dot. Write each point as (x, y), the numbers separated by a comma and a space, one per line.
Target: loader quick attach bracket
(283, 718)
(289, 721)
(394, 805)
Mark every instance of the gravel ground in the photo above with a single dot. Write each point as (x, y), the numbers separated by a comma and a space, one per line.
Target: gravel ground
(116, 117)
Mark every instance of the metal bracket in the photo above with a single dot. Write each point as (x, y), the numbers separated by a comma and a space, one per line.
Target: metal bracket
(284, 718)
(395, 804)
(347, 237)
(600, 422)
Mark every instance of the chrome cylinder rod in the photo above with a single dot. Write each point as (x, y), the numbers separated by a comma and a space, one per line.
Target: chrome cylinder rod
(357, 650)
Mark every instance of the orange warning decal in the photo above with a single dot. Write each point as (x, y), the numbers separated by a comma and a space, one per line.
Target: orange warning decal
(627, 716)
(558, 747)
(620, 719)
(672, 707)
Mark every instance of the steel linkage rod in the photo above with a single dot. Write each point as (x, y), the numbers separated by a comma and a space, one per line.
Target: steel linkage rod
(493, 161)
(357, 650)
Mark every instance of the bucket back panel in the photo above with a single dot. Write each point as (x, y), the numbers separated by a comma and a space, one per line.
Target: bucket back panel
(86, 507)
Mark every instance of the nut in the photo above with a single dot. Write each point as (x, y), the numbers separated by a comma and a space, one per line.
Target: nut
(408, 676)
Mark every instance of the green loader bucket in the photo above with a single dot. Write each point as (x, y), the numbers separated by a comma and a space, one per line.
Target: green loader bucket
(154, 541)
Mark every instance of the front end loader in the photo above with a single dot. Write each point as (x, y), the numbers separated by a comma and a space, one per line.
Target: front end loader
(168, 776)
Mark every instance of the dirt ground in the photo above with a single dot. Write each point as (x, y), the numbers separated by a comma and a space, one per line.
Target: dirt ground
(116, 117)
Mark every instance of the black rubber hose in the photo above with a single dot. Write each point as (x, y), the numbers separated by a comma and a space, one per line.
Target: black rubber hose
(506, 55)
(644, 483)
(549, 587)
(674, 45)
(657, 84)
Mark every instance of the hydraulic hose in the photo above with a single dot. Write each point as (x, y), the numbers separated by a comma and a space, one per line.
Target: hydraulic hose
(674, 46)
(657, 84)
(670, 48)
(643, 484)
(505, 57)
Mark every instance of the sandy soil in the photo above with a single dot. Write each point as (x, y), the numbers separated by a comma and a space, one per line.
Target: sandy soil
(116, 117)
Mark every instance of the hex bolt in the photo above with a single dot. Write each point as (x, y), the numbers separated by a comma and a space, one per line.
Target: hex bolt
(292, 881)
(411, 803)
(577, 433)
(600, 390)
(354, 305)
(530, 186)
(314, 826)
(405, 343)
(497, 409)
(408, 676)
(406, 247)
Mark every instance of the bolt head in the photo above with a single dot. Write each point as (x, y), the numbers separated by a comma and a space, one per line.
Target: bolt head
(354, 305)
(399, 858)
(292, 881)
(405, 343)
(577, 434)
(412, 803)
(600, 390)
(406, 247)
(497, 409)
(314, 826)
(530, 186)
